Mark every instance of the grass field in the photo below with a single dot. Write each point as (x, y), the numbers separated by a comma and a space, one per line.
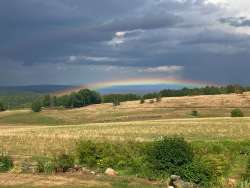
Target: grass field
(24, 133)
(29, 140)
(168, 108)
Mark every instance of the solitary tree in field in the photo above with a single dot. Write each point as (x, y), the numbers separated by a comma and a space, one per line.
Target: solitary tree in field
(36, 106)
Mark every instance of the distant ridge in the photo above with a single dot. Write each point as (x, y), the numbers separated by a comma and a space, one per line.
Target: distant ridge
(41, 89)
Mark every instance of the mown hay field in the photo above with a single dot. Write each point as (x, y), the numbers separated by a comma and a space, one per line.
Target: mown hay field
(36, 140)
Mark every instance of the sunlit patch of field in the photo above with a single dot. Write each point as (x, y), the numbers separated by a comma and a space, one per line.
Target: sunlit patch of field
(38, 140)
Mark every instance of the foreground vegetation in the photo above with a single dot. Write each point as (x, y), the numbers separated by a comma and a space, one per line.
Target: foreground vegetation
(202, 163)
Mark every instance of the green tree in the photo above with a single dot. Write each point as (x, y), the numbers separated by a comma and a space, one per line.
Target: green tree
(47, 101)
(36, 106)
(2, 107)
(116, 102)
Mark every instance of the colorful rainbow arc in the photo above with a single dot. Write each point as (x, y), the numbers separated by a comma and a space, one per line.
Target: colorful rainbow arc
(148, 81)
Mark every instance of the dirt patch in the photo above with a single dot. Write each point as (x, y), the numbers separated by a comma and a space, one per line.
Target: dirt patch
(50, 181)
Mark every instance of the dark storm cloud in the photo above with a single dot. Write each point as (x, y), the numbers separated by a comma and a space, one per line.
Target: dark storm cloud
(39, 39)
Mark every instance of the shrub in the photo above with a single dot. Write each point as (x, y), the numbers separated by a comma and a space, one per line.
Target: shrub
(246, 175)
(36, 106)
(45, 165)
(170, 154)
(197, 172)
(218, 164)
(6, 163)
(195, 113)
(237, 113)
(64, 162)
(128, 156)
(87, 153)
(142, 101)
(151, 101)
(116, 103)
(158, 98)
(2, 107)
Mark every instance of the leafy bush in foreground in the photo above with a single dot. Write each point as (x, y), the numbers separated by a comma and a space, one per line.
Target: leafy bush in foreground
(45, 165)
(246, 176)
(201, 163)
(6, 163)
(170, 154)
(197, 172)
(64, 162)
(50, 165)
(237, 113)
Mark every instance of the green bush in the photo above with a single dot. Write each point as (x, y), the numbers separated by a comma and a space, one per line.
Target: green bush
(36, 106)
(197, 172)
(87, 153)
(170, 154)
(246, 175)
(103, 155)
(64, 162)
(195, 113)
(116, 103)
(45, 165)
(2, 107)
(6, 163)
(218, 164)
(237, 113)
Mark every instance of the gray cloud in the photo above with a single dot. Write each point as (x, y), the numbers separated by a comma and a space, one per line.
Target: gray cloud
(236, 21)
(42, 39)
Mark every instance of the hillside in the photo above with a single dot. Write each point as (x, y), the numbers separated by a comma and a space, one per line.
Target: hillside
(213, 134)
(168, 108)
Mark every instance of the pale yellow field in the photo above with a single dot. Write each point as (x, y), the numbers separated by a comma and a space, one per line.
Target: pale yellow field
(30, 140)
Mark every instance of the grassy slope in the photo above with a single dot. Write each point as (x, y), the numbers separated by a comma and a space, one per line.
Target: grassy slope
(23, 133)
(168, 108)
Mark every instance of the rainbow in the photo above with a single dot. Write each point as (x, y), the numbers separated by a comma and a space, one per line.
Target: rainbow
(140, 82)
(148, 81)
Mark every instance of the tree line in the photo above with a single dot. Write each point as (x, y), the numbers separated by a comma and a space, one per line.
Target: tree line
(87, 97)
(78, 99)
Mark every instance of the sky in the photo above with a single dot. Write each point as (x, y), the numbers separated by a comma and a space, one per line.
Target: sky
(86, 41)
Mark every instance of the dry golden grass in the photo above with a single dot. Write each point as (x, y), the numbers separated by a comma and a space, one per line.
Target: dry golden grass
(73, 181)
(168, 108)
(38, 140)
(129, 121)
